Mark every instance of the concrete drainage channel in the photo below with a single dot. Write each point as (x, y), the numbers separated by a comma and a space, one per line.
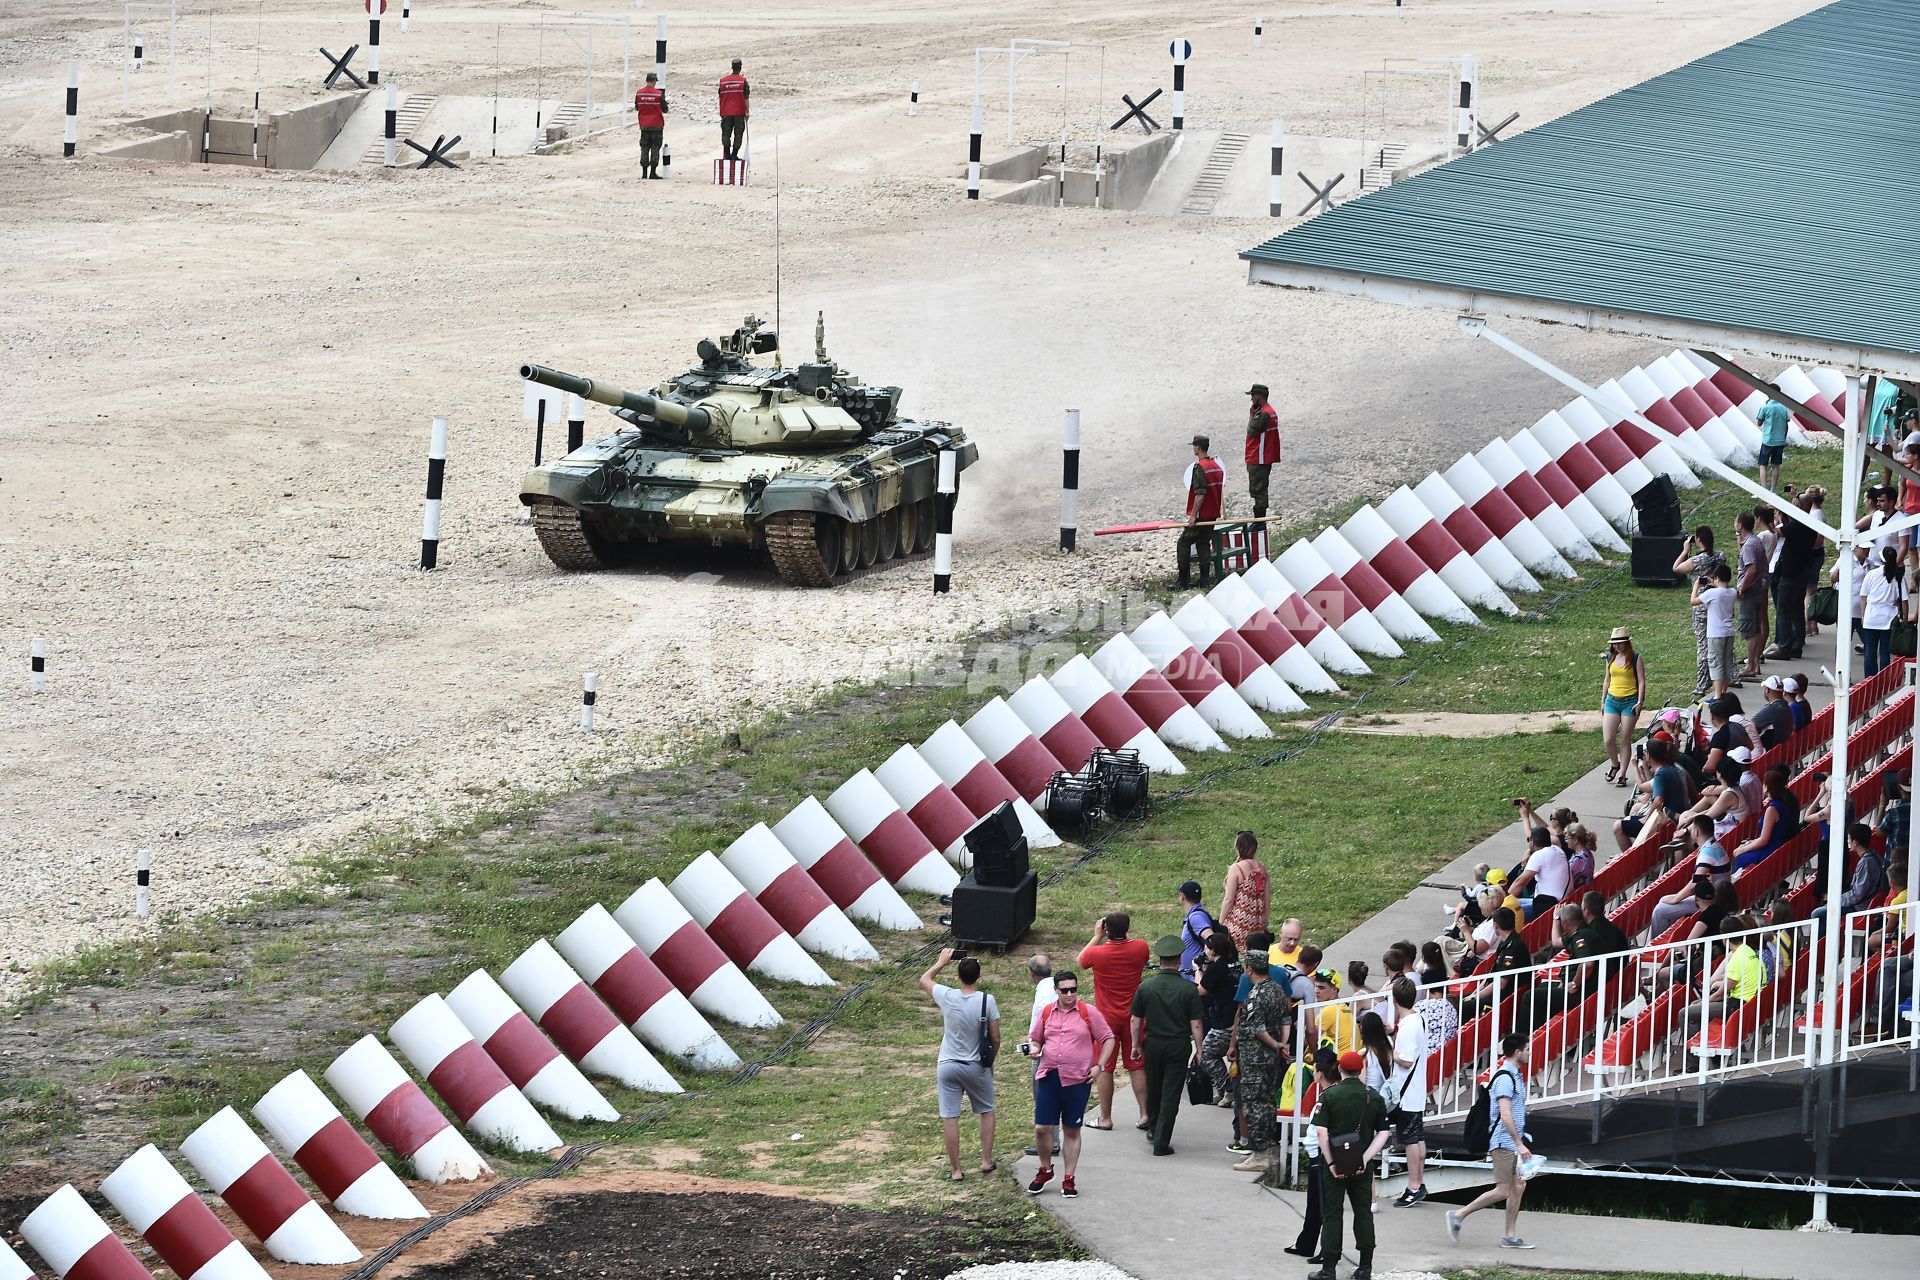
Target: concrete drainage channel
(1126, 174)
(294, 139)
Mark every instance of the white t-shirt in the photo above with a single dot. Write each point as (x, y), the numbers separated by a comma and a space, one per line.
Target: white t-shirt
(1882, 598)
(1410, 1042)
(1719, 602)
(1550, 871)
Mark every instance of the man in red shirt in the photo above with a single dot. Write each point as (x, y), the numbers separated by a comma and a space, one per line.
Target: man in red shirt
(650, 107)
(1117, 963)
(733, 112)
(1206, 486)
(1263, 446)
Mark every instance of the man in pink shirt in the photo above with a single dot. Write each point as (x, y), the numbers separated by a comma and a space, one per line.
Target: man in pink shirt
(1070, 1041)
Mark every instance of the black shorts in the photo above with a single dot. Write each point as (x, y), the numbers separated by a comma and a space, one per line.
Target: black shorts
(1409, 1127)
(1772, 455)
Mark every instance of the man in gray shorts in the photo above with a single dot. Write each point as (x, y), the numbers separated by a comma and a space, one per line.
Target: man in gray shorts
(971, 1037)
(1717, 598)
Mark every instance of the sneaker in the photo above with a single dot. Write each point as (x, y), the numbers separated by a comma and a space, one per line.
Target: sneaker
(1067, 1188)
(1033, 1151)
(1237, 1148)
(1040, 1181)
(1453, 1226)
(1411, 1196)
(1513, 1242)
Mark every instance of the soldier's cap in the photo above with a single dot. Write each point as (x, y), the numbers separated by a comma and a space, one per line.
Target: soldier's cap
(1352, 1062)
(1256, 962)
(736, 64)
(651, 77)
(1257, 389)
(1167, 947)
(1201, 442)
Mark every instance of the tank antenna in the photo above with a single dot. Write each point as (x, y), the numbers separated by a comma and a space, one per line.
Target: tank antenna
(776, 247)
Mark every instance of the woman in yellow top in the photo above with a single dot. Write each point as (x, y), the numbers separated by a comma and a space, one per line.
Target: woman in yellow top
(1621, 693)
(1338, 1031)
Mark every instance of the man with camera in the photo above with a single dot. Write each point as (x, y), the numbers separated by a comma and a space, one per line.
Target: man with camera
(1069, 1041)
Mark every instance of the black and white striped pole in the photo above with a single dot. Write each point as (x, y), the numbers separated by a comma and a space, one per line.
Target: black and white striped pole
(436, 478)
(1258, 23)
(1181, 51)
(660, 51)
(72, 134)
(1469, 77)
(139, 51)
(37, 664)
(1277, 169)
(666, 160)
(948, 487)
(1060, 190)
(589, 694)
(406, 15)
(374, 9)
(913, 99)
(973, 158)
(143, 884)
(576, 422)
(1069, 479)
(393, 123)
(1098, 161)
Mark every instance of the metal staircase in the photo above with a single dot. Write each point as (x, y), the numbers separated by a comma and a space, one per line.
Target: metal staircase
(413, 110)
(1381, 164)
(1212, 182)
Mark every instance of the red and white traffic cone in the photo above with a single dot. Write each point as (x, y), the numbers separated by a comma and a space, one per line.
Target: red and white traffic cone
(76, 1242)
(566, 1008)
(1157, 703)
(941, 815)
(1277, 595)
(834, 862)
(1193, 677)
(661, 927)
(1504, 468)
(745, 930)
(1046, 714)
(1021, 758)
(767, 870)
(1504, 519)
(1269, 637)
(1373, 539)
(1579, 509)
(455, 1066)
(904, 853)
(332, 1152)
(1330, 597)
(509, 1037)
(613, 964)
(957, 761)
(157, 1202)
(1101, 708)
(1388, 607)
(239, 1169)
(400, 1115)
(1258, 684)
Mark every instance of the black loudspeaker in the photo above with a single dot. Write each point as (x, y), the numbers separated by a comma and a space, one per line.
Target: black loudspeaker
(999, 848)
(1653, 560)
(1657, 510)
(991, 915)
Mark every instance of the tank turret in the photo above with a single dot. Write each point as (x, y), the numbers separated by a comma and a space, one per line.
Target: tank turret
(692, 419)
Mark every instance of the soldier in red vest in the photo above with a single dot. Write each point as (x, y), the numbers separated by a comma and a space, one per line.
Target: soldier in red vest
(1206, 486)
(650, 105)
(733, 112)
(1263, 446)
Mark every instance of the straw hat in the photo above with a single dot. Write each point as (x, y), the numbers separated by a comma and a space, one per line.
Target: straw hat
(1619, 636)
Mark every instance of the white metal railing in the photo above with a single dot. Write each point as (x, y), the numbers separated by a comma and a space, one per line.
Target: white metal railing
(1881, 1008)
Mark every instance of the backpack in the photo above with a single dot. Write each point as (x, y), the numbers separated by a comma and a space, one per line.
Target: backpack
(1580, 871)
(1478, 1135)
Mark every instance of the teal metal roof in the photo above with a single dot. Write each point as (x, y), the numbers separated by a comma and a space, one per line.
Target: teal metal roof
(1773, 186)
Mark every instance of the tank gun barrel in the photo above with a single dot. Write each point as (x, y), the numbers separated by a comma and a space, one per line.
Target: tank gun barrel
(665, 411)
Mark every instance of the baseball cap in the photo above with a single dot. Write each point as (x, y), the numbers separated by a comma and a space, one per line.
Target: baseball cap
(1191, 889)
(1671, 715)
(1352, 1063)
(1167, 947)
(1496, 876)
(1774, 683)
(1743, 754)
(1256, 962)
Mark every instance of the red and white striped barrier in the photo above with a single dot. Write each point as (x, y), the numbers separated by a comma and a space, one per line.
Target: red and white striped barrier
(455, 1066)
(1193, 677)
(1504, 519)
(1504, 468)
(1101, 708)
(661, 927)
(1833, 385)
(834, 862)
(1661, 452)
(1747, 401)
(1060, 730)
(1388, 607)
(1158, 704)
(1608, 445)
(1471, 532)
(1574, 504)
(1322, 642)
(1440, 551)
(332, 1153)
(1794, 381)
(1333, 600)
(1269, 637)
(1258, 684)
(400, 1115)
(1674, 381)
(1606, 493)
(957, 761)
(1636, 388)
(11, 1268)
(904, 853)
(239, 1169)
(559, 1000)
(1369, 534)
(157, 1203)
(768, 871)
(1697, 376)
(76, 1242)
(527, 1058)
(1021, 758)
(744, 930)
(609, 960)
(941, 815)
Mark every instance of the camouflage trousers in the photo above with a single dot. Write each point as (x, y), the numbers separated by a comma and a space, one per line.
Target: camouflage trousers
(733, 129)
(1257, 476)
(1258, 1081)
(650, 140)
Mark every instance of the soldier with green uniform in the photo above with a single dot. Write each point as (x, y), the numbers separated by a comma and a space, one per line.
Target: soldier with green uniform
(1348, 1114)
(1166, 1023)
(1259, 1050)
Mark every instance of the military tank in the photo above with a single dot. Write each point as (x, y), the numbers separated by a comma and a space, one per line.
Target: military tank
(809, 463)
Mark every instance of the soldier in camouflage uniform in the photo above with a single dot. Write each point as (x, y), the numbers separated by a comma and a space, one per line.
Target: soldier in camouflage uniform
(1258, 1048)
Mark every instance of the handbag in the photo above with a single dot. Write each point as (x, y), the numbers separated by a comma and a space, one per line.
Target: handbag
(1199, 1086)
(1344, 1153)
(1901, 638)
(988, 1052)
(1825, 606)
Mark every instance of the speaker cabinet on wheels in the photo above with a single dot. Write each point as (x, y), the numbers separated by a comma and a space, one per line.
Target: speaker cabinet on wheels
(991, 915)
(1653, 561)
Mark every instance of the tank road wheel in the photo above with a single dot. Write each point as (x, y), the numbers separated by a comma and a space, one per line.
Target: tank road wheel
(869, 531)
(810, 550)
(923, 525)
(567, 539)
(889, 523)
(909, 517)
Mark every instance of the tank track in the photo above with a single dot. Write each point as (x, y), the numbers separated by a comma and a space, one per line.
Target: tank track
(796, 556)
(563, 536)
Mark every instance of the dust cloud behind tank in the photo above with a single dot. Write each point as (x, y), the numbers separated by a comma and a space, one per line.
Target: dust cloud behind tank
(809, 463)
